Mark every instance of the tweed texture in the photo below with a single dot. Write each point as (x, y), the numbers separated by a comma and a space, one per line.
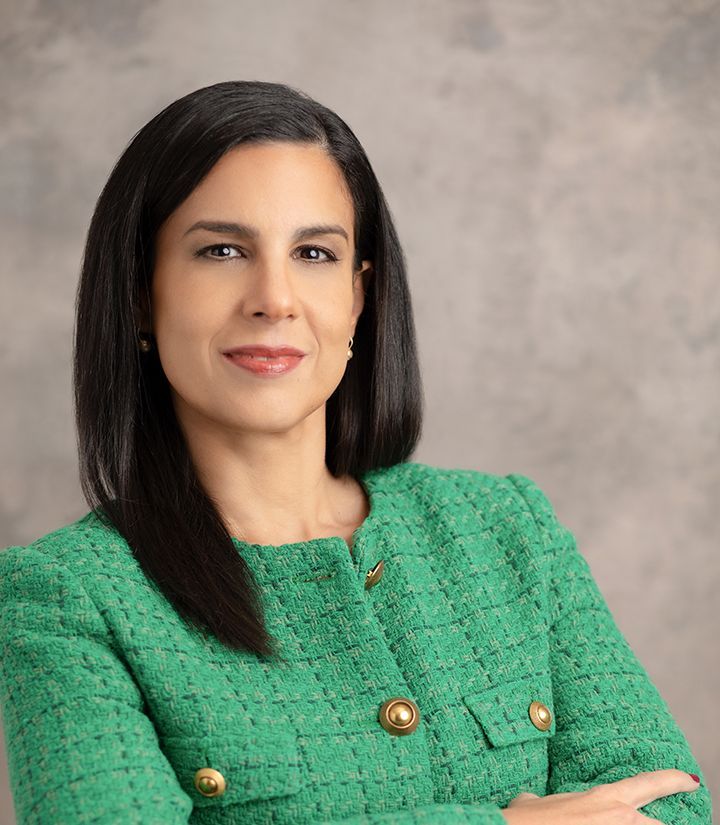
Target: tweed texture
(111, 703)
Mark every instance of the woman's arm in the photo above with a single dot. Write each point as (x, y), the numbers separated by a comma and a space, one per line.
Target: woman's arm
(80, 748)
(611, 721)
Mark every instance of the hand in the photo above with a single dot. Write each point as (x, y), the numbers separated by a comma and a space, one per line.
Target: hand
(608, 804)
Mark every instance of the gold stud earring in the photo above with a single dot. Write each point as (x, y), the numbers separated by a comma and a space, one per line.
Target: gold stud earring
(144, 343)
(350, 352)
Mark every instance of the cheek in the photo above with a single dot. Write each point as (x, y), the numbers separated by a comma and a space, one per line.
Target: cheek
(186, 321)
(182, 311)
(331, 314)
(332, 338)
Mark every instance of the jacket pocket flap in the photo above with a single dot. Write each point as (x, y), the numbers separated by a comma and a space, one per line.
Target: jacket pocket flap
(504, 711)
(253, 765)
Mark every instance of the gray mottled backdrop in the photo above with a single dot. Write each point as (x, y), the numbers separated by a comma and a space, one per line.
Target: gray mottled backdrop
(554, 171)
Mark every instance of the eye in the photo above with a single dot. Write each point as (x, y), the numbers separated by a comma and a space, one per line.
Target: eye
(315, 258)
(223, 247)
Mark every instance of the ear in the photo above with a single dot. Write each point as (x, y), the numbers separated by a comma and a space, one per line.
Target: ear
(361, 281)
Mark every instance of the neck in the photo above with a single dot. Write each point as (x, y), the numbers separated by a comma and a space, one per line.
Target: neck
(271, 488)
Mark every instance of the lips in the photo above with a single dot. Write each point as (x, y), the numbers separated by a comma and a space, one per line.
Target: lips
(265, 361)
(260, 351)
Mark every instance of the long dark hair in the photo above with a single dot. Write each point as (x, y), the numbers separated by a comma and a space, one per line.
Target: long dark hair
(135, 467)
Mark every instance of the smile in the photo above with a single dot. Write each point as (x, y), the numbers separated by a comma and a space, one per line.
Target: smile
(264, 365)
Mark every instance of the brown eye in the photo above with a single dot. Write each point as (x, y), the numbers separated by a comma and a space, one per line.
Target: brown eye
(316, 253)
(223, 248)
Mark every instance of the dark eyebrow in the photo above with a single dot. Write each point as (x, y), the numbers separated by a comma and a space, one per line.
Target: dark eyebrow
(245, 231)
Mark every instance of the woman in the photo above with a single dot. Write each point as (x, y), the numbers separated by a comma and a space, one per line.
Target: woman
(270, 614)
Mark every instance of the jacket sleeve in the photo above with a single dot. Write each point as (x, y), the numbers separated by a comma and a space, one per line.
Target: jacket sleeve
(80, 748)
(611, 721)
(452, 814)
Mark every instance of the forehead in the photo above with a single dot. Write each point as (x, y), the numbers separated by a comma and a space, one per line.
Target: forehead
(275, 185)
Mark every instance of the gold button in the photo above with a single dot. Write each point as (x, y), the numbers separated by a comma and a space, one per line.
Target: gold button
(399, 716)
(540, 715)
(210, 782)
(374, 575)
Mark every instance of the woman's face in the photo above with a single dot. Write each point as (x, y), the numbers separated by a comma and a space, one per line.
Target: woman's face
(282, 277)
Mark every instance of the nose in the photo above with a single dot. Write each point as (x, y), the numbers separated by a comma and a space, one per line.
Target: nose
(271, 291)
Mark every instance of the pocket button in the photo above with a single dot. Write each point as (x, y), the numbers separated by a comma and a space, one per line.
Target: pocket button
(210, 782)
(399, 716)
(540, 715)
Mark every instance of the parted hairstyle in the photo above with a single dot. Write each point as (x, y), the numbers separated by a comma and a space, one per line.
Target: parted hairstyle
(135, 467)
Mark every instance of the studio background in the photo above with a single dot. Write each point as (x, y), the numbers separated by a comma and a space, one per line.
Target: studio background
(553, 170)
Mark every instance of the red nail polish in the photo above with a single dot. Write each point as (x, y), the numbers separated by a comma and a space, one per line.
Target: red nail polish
(696, 778)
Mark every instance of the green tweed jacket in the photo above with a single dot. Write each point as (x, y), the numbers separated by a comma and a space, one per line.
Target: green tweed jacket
(460, 655)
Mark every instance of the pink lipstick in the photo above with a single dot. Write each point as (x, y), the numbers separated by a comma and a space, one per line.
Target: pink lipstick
(265, 361)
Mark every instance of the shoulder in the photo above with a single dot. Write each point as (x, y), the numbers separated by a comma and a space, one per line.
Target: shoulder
(464, 485)
(463, 499)
(416, 475)
(81, 545)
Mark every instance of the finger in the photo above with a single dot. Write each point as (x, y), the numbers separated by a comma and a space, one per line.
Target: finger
(647, 786)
